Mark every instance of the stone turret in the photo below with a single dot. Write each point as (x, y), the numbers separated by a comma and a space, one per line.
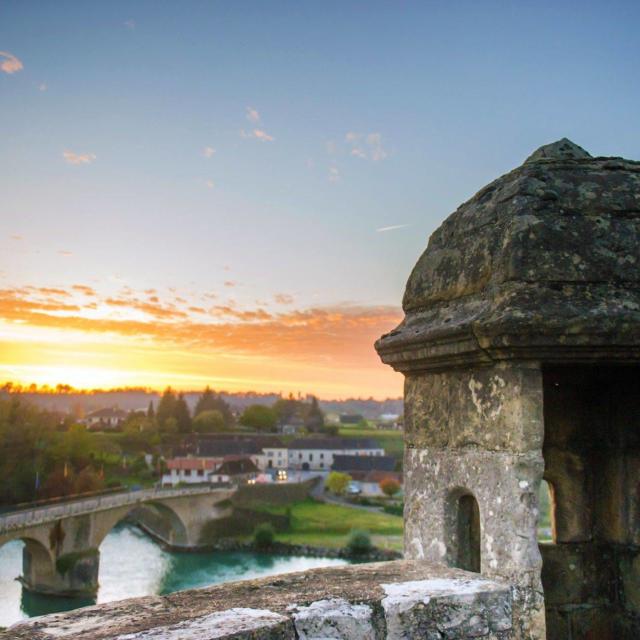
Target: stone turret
(520, 346)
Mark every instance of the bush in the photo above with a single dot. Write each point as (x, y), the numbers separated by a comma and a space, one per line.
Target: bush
(394, 509)
(263, 536)
(389, 486)
(337, 482)
(359, 542)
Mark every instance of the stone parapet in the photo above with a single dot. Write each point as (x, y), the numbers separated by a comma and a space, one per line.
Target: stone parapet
(390, 600)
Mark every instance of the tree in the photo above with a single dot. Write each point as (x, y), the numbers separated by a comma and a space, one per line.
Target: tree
(87, 480)
(389, 486)
(209, 421)
(166, 409)
(182, 415)
(60, 482)
(151, 414)
(314, 418)
(211, 401)
(359, 542)
(259, 417)
(337, 482)
(286, 409)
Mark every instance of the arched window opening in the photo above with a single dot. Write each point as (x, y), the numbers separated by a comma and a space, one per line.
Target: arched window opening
(546, 513)
(468, 534)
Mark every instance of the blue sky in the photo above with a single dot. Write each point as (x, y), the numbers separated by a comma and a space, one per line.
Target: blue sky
(328, 121)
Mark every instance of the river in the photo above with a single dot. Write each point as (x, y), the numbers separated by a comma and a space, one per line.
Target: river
(131, 564)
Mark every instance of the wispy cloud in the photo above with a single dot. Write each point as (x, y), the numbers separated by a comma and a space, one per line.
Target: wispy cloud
(253, 115)
(263, 136)
(230, 283)
(16, 237)
(9, 63)
(366, 146)
(208, 152)
(130, 25)
(392, 227)
(65, 253)
(210, 184)
(78, 158)
(42, 86)
(334, 174)
(283, 298)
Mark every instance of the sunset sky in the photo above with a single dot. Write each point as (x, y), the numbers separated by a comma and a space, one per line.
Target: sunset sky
(234, 193)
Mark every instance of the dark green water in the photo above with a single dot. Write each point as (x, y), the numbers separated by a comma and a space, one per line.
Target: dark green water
(131, 564)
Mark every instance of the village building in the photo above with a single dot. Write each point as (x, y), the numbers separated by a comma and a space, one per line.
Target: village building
(317, 454)
(235, 470)
(189, 471)
(108, 419)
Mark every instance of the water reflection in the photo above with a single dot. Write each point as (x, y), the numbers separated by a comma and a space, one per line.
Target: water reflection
(131, 565)
(34, 604)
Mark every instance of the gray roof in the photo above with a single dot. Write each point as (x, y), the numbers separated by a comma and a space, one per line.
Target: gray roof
(363, 463)
(335, 443)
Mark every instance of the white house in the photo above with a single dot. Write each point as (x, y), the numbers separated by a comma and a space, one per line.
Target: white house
(273, 457)
(189, 470)
(110, 418)
(316, 454)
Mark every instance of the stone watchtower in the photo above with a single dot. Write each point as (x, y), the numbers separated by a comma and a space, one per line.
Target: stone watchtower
(521, 354)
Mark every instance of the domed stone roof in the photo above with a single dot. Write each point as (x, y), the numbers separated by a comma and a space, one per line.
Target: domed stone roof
(542, 263)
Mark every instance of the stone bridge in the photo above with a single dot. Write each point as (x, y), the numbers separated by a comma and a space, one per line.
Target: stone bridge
(61, 554)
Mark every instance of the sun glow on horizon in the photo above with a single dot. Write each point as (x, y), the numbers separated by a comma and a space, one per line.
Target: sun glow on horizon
(154, 344)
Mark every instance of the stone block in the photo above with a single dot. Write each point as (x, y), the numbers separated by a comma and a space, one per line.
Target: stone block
(447, 610)
(629, 568)
(495, 408)
(558, 623)
(574, 574)
(239, 624)
(335, 618)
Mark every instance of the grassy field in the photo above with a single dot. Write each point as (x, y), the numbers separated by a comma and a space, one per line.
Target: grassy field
(390, 439)
(328, 525)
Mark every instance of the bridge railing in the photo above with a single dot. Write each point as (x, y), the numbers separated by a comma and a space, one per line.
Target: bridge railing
(38, 515)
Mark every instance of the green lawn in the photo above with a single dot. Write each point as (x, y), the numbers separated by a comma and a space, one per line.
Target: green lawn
(328, 525)
(390, 439)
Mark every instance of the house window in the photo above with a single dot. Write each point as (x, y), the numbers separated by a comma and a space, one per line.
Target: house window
(299, 456)
(200, 472)
(322, 456)
(310, 457)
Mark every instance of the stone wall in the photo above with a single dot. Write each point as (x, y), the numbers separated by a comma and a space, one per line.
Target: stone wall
(474, 437)
(391, 600)
(591, 572)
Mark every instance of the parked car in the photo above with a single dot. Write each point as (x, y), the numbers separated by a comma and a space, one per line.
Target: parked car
(353, 489)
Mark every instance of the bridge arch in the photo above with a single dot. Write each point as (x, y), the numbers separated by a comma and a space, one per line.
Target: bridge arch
(38, 563)
(157, 519)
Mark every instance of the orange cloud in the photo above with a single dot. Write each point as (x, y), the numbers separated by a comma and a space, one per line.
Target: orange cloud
(9, 63)
(82, 288)
(78, 158)
(328, 351)
(283, 298)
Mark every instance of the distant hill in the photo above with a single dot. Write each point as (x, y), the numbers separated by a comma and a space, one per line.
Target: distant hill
(133, 399)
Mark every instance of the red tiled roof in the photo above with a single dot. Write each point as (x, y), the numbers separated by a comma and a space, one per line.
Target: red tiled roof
(192, 463)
